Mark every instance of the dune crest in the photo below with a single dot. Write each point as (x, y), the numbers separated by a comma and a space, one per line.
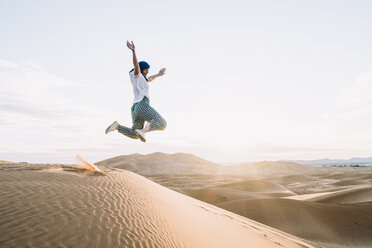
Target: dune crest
(357, 194)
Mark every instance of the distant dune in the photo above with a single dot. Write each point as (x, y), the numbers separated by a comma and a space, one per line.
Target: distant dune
(292, 178)
(264, 167)
(61, 206)
(248, 189)
(256, 186)
(359, 194)
(157, 163)
(327, 161)
(219, 195)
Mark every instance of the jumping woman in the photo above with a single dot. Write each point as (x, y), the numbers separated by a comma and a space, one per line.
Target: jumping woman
(141, 109)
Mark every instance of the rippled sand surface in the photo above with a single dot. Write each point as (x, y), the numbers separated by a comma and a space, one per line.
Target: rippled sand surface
(330, 206)
(54, 205)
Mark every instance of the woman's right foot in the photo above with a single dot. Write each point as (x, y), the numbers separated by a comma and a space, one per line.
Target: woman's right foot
(114, 126)
(141, 135)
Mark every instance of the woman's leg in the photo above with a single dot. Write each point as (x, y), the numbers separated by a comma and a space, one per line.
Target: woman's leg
(154, 119)
(138, 123)
(129, 132)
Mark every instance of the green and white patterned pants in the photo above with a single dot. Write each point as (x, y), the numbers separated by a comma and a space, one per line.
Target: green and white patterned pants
(141, 112)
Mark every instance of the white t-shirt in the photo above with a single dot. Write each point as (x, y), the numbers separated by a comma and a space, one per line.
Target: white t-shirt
(140, 87)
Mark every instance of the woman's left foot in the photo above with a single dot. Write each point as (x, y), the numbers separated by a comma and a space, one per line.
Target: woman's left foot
(141, 135)
(114, 126)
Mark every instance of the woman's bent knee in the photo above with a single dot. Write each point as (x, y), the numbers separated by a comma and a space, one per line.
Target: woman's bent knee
(158, 124)
(163, 125)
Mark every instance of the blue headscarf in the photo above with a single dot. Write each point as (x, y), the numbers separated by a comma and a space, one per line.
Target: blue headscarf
(143, 65)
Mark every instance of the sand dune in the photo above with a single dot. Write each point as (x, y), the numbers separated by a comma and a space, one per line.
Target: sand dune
(264, 167)
(357, 194)
(273, 180)
(257, 186)
(59, 206)
(350, 182)
(329, 225)
(6, 162)
(297, 178)
(157, 163)
(219, 195)
(242, 190)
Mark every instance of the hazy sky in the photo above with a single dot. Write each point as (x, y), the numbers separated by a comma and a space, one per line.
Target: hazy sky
(246, 80)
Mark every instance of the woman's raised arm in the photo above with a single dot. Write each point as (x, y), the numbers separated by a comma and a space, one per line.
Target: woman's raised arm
(135, 61)
(161, 73)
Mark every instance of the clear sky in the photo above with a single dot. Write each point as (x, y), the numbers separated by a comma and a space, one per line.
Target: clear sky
(245, 81)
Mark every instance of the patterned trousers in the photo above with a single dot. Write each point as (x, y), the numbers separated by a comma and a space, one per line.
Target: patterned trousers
(141, 112)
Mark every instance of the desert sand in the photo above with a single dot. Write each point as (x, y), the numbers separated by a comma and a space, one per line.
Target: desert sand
(330, 206)
(55, 205)
(181, 200)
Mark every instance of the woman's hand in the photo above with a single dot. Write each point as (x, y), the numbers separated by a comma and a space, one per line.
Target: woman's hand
(161, 72)
(131, 46)
(135, 61)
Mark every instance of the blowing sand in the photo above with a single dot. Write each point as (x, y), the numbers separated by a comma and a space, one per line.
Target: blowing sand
(53, 205)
